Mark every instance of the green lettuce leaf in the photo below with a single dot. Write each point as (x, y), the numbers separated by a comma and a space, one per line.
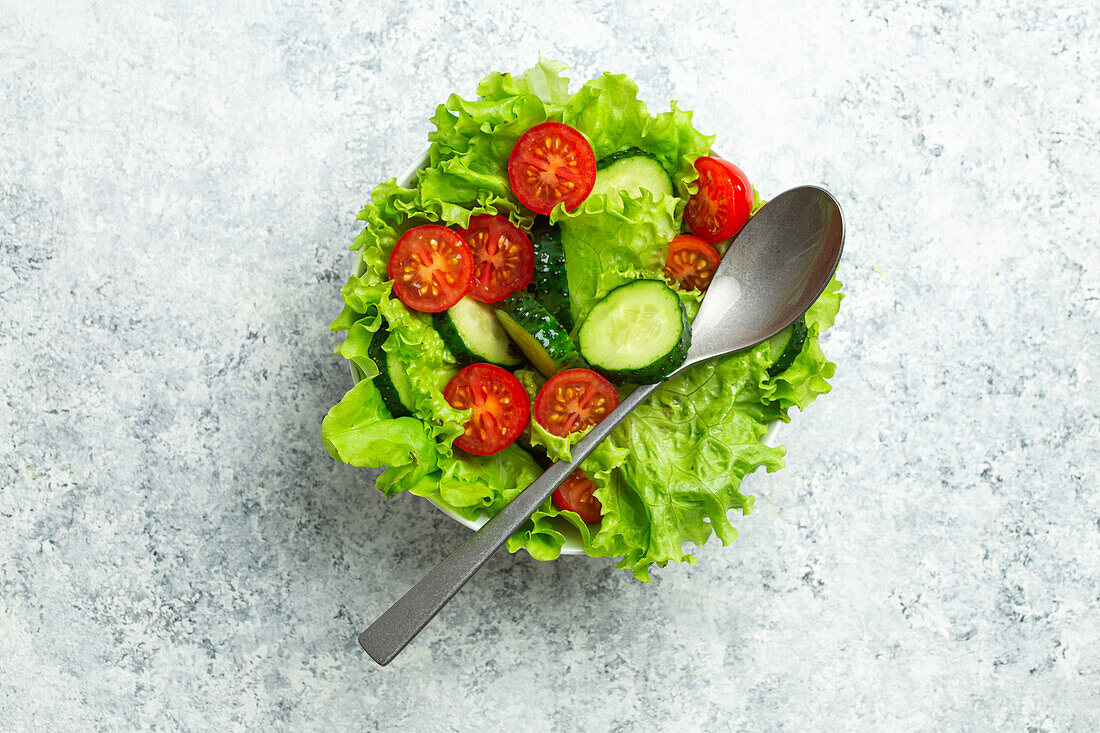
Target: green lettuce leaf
(360, 430)
(607, 110)
(473, 483)
(543, 81)
(676, 143)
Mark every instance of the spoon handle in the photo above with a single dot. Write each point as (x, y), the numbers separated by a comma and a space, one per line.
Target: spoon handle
(387, 636)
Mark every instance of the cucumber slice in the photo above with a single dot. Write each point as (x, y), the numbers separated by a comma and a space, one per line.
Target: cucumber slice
(551, 287)
(639, 333)
(392, 382)
(541, 338)
(788, 344)
(472, 333)
(630, 171)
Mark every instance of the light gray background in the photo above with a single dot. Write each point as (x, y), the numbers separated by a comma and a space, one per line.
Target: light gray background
(178, 187)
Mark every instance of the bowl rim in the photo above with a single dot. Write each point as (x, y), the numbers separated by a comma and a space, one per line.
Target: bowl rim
(574, 543)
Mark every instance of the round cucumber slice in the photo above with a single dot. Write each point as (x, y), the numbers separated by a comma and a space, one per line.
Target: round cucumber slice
(639, 333)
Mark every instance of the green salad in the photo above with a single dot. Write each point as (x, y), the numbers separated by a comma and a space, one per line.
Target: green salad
(550, 255)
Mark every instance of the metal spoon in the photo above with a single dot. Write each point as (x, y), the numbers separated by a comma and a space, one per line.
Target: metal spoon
(775, 269)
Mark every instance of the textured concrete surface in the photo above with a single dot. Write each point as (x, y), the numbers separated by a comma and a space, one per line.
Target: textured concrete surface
(178, 185)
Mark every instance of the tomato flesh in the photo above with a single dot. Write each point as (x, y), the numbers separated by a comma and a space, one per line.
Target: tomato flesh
(499, 404)
(552, 163)
(691, 262)
(574, 400)
(504, 258)
(722, 205)
(431, 268)
(575, 495)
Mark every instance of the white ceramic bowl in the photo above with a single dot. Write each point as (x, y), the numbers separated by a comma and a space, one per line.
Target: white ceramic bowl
(573, 543)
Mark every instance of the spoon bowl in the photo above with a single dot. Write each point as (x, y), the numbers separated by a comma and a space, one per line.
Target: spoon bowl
(775, 269)
(771, 274)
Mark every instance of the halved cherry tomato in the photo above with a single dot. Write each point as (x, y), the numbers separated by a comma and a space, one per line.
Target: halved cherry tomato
(431, 268)
(552, 163)
(691, 262)
(722, 205)
(501, 408)
(575, 495)
(504, 258)
(573, 400)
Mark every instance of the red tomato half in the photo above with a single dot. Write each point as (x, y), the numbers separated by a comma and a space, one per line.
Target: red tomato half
(552, 163)
(722, 205)
(504, 258)
(431, 268)
(691, 262)
(500, 406)
(575, 495)
(573, 400)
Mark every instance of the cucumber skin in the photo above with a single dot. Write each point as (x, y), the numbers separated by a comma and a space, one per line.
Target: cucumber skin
(533, 318)
(383, 380)
(623, 154)
(453, 341)
(549, 282)
(799, 332)
(656, 371)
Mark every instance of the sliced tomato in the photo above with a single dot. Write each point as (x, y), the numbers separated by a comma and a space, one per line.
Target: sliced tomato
(504, 258)
(552, 163)
(691, 262)
(722, 205)
(431, 268)
(575, 495)
(573, 400)
(501, 408)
